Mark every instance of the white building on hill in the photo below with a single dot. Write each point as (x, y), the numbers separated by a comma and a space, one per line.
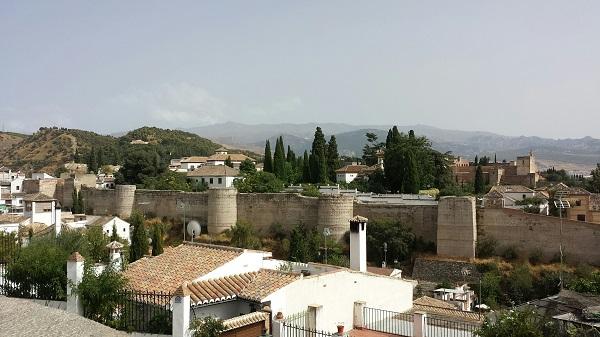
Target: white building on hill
(214, 176)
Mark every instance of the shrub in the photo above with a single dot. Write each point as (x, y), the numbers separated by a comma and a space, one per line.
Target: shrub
(100, 294)
(486, 247)
(535, 256)
(522, 323)
(310, 191)
(243, 235)
(510, 253)
(207, 327)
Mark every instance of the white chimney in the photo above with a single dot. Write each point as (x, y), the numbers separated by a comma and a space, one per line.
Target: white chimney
(114, 249)
(358, 243)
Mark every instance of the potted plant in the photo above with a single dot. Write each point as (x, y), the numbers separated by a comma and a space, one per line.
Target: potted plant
(340, 328)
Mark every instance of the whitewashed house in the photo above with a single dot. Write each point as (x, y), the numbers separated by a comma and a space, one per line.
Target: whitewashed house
(221, 156)
(348, 173)
(189, 164)
(10, 223)
(214, 176)
(41, 176)
(107, 223)
(42, 209)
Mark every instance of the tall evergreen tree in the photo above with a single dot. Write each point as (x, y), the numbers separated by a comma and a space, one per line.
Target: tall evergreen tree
(495, 159)
(268, 164)
(394, 168)
(279, 159)
(139, 239)
(411, 179)
(157, 240)
(291, 156)
(318, 168)
(114, 236)
(228, 162)
(306, 178)
(479, 183)
(92, 160)
(81, 202)
(333, 158)
(476, 160)
(75, 208)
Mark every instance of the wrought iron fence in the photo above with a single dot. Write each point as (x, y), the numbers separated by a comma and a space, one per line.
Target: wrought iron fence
(439, 327)
(388, 321)
(295, 331)
(148, 312)
(298, 319)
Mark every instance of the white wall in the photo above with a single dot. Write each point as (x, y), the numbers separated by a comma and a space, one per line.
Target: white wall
(9, 228)
(223, 311)
(225, 181)
(16, 186)
(345, 177)
(249, 261)
(122, 228)
(338, 291)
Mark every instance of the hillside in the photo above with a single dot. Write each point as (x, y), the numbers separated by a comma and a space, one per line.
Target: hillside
(8, 139)
(49, 148)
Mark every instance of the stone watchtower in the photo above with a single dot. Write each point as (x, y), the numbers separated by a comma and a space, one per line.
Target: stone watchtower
(222, 209)
(457, 227)
(124, 200)
(334, 212)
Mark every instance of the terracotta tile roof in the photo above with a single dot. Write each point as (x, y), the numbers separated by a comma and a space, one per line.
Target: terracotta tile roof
(437, 307)
(511, 189)
(351, 169)
(214, 171)
(100, 221)
(234, 157)
(244, 320)
(185, 262)
(194, 159)
(12, 218)
(433, 302)
(37, 197)
(252, 286)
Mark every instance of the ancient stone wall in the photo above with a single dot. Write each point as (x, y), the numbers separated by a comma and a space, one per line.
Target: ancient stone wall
(99, 202)
(288, 209)
(422, 219)
(54, 188)
(335, 212)
(437, 270)
(164, 204)
(457, 228)
(124, 200)
(531, 232)
(222, 209)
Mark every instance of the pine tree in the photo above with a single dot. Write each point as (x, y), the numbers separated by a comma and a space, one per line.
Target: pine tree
(157, 240)
(306, 168)
(279, 159)
(139, 238)
(479, 184)
(333, 158)
(228, 162)
(411, 179)
(268, 164)
(318, 168)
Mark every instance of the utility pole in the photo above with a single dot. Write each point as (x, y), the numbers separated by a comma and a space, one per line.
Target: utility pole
(560, 204)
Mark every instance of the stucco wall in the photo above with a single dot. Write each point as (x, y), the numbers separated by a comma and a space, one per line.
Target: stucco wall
(422, 219)
(529, 232)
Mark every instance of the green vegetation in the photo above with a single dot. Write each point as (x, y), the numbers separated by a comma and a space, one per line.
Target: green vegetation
(243, 235)
(207, 327)
(139, 237)
(523, 323)
(168, 180)
(310, 190)
(158, 230)
(101, 294)
(259, 182)
(400, 240)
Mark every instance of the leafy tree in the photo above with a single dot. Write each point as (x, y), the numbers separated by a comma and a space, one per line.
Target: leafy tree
(169, 181)
(140, 163)
(268, 164)
(400, 241)
(371, 148)
(589, 284)
(519, 323)
(207, 327)
(333, 158)
(318, 158)
(228, 162)
(594, 182)
(157, 239)
(259, 182)
(81, 202)
(310, 191)
(279, 159)
(139, 239)
(96, 241)
(479, 183)
(101, 294)
(247, 167)
(304, 244)
(243, 236)
(519, 284)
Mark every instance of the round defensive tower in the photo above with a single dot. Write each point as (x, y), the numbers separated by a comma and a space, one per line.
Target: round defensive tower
(222, 209)
(335, 211)
(124, 199)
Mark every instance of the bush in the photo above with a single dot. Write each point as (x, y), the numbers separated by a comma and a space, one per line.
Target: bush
(486, 247)
(400, 241)
(207, 327)
(510, 253)
(535, 256)
(523, 323)
(100, 294)
(259, 182)
(519, 284)
(242, 235)
(310, 191)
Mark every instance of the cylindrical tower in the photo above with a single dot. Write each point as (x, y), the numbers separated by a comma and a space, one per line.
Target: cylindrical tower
(222, 209)
(335, 211)
(124, 199)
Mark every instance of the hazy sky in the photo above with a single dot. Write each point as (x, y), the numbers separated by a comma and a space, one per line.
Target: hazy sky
(512, 67)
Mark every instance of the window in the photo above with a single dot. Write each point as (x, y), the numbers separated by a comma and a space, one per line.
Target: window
(220, 181)
(203, 180)
(18, 187)
(580, 217)
(123, 229)
(211, 181)
(578, 203)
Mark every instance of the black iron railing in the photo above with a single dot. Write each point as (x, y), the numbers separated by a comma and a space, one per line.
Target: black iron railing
(388, 321)
(295, 331)
(440, 327)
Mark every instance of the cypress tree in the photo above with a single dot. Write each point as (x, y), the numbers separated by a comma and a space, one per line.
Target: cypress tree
(279, 159)
(495, 160)
(476, 160)
(81, 202)
(318, 168)
(479, 184)
(333, 158)
(411, 179)
(268, 165)
(291, 156)
(75, 208)
(306, 168)
(139, 239)
(93, 161)
(114, 236)
(157, 240)
(228, 161)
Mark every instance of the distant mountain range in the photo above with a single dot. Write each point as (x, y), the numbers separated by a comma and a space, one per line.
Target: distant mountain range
(577, 155)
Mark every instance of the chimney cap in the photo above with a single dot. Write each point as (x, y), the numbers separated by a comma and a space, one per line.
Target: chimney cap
(114, 245)
(359, 218)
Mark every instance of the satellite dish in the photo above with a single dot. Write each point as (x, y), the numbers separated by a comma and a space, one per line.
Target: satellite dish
(193, 228)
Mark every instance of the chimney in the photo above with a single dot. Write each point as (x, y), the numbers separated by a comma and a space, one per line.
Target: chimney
(358, 243)
(114, 251)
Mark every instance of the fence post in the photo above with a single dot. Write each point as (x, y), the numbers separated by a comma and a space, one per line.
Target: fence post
(358, 318)
(181, 312)
(419, 324)
(313, 317)
(278, 325)
(74, 275)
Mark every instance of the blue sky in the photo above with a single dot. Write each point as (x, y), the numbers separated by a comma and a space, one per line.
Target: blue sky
(512, 67)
